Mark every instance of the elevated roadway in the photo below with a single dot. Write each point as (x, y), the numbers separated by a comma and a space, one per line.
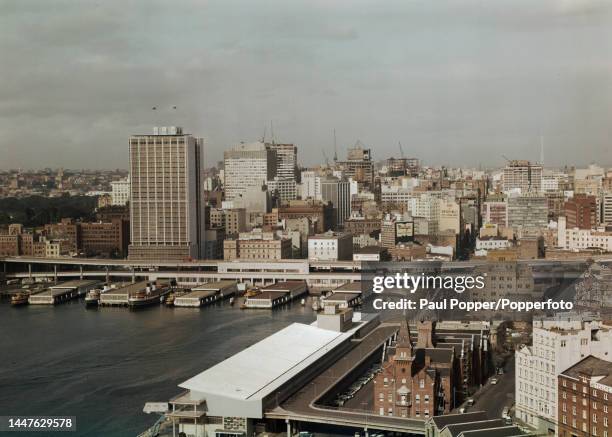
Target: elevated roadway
(304, 405)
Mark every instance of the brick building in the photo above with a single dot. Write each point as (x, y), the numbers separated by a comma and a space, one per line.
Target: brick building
(581, 212)
(416, 378)
(585, 399)
(320, 214)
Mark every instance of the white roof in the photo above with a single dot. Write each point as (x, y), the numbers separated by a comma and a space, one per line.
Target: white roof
(258, 370)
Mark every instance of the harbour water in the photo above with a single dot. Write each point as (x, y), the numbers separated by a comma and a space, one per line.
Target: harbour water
(103, 365)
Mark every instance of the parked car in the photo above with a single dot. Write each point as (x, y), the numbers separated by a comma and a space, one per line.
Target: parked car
(506, 415)
(470, 402)
(494, 381)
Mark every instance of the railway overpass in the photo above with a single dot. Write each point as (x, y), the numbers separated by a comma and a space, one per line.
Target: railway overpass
(319, 274)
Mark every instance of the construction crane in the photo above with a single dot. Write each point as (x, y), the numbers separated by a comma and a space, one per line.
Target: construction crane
(401, 149)
(326, 158)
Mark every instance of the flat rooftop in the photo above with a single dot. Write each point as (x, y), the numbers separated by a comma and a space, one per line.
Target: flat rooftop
(351, 287)
(128, 288)
(76, 283)
(285, 286)
(341, 297)
(267, 294)
(260, 369)
(217, 285)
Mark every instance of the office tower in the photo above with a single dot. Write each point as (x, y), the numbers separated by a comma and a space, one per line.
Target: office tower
(247, 167)
(166, 208)
(358, 166)
(581, 212)
(495, 213)
(311, 185)
(523, 175)
(450, 216)
(338, 192)
(528, 211)
(284, 183)
(286, 160)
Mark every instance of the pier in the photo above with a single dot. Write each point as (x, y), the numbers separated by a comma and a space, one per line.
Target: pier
(277, 294)
(120, 295)
(63, 292)
(206, 294)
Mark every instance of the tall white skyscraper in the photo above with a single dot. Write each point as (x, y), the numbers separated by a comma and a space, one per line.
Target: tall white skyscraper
(247, 166)
(166, 208)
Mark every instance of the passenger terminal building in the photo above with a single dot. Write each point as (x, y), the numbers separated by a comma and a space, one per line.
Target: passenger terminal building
(287, 379)
(231, 398)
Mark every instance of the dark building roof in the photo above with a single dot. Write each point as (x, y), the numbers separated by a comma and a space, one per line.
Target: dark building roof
(449, 419)
(508, 431)
(440, 355)
(458, 428)
(591, 367)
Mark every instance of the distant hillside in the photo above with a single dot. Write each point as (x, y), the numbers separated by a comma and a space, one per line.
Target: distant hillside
(38, 210)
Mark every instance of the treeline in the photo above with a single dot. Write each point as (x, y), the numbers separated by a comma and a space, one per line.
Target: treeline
(37, 210)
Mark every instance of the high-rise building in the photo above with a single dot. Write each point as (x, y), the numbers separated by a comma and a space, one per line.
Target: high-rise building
(450, 217)
(529, 211)
(311, 185)
(358, 166)
(166, 207)
(284, 183)
(558, 343)
(338, 192)
(581, 212)
(120, 194)
(523, 175)
(606, 209)
(248, 166)
(495, 213)
(286, 160)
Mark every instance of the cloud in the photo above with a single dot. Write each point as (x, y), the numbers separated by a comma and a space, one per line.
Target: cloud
(458, 82)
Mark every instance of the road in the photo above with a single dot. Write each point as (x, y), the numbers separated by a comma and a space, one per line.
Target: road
(492, 398)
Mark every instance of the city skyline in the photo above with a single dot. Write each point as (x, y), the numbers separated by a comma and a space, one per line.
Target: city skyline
(438, 78)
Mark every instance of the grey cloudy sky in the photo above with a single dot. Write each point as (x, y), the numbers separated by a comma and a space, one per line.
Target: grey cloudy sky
(458, 82)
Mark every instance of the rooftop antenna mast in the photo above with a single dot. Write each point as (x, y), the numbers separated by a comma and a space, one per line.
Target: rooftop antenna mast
(263, 138)
(542, 150)
(335, 147)
(272, 131)
(401, 149)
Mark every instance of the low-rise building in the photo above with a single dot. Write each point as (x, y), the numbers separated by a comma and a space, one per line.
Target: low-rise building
(330, 246)
(580, 239)
(257, 245)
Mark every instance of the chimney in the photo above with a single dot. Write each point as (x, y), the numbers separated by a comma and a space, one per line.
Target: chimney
(425, 334)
